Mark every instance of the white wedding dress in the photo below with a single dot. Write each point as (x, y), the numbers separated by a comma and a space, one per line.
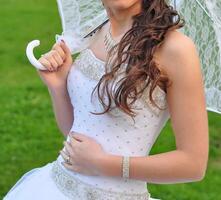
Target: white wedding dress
(115, 131)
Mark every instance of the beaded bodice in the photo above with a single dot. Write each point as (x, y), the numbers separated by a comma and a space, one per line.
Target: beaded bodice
(115, 130)
(93, 69)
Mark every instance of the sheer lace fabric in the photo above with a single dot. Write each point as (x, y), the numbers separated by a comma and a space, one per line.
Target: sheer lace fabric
(203, 25)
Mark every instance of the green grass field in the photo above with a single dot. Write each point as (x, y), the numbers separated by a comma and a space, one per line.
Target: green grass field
(29, 136)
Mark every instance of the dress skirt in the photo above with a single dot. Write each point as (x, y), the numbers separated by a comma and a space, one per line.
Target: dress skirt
(51, 183)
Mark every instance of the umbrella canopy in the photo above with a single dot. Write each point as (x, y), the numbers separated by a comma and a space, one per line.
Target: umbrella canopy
(80, 17)
(203, 24)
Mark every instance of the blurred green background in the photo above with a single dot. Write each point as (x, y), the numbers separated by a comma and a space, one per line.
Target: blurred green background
(29, 136)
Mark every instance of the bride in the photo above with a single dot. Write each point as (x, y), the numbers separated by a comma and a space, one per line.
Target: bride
(106, 152)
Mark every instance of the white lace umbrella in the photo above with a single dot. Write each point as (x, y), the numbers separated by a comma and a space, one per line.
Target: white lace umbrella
(203, 24)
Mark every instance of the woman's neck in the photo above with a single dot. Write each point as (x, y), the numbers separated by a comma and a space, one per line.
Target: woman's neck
(121, 20)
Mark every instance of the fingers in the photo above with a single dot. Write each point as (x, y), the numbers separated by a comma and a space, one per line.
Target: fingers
(59, 50)
(73, 141)
(80, 137)
(65, 48)
(50, 57)
(46, 63)
(68, 148)
(66, 165)
(71, 167)
(64, 155)
(56, 57)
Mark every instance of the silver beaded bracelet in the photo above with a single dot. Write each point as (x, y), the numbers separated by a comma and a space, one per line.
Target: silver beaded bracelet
(125, 167)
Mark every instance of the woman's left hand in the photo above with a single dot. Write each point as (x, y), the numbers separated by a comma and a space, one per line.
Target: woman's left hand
(85, 154)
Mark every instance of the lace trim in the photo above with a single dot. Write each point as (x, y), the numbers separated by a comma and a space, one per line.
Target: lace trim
(76, 189)
(94, 69)
(90, 65)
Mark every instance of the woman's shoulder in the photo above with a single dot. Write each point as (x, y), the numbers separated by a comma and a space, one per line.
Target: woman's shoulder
(177, 54)
(176, 43)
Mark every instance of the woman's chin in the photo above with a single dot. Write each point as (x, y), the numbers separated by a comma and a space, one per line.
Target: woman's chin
(119, 6)
(123, 4)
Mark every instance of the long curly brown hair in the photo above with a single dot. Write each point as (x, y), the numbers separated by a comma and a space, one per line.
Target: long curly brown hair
(136, 49)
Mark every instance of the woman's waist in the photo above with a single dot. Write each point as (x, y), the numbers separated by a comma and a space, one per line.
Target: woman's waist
(116, 141)
(117, 184)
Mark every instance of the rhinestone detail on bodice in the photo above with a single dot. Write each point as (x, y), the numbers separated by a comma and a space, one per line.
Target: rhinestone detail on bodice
(94, 68)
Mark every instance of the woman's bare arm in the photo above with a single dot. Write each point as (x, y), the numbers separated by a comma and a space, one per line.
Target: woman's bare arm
(58, 62)
(187, 106)
(63, 109)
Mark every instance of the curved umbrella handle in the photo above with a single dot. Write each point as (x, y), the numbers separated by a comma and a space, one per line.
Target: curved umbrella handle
(31, 57)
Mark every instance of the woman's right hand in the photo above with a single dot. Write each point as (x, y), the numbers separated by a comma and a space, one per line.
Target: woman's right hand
(58, 62)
